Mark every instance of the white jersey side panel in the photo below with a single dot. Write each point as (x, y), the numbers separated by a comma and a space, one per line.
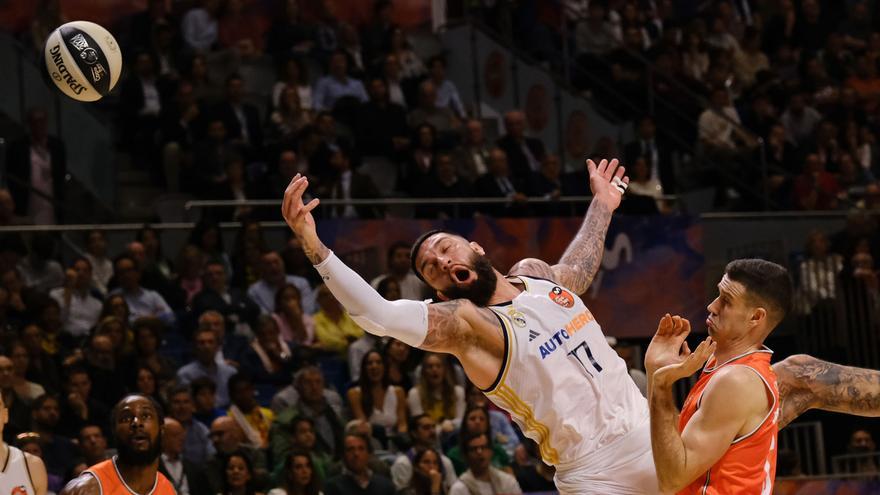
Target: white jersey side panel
(15, 479)
(561, 382)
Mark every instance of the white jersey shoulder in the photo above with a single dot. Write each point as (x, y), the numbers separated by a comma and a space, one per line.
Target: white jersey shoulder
(15, 478)
(562, 383)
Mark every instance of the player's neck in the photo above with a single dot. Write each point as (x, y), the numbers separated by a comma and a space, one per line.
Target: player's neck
(726, 351)
(504, 291)
(139, 478)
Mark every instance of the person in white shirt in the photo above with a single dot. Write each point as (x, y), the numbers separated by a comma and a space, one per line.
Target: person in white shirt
(481, 478)
(718, 124)
(397, 260)
(96, 254)
(38, 270)
(80, 310)
(199, 26)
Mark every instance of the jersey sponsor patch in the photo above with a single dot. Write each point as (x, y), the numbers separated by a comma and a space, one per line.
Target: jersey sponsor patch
(19, 490)
(561, 297)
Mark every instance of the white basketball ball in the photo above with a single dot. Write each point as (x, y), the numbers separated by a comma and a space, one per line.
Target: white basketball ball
(83, 60)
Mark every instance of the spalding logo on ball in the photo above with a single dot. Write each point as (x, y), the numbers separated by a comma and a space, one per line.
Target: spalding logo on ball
(83, 60)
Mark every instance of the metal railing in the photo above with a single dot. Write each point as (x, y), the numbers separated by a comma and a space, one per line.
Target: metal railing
(806, 440)
(867, 464)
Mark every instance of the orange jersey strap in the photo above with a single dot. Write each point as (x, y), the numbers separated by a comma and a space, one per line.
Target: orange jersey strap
(110, 481)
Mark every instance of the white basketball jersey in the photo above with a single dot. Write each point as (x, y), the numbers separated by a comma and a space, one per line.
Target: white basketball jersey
(15, 478)
(561, 382)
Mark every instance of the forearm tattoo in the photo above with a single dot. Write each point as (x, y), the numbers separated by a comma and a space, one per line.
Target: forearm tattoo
(583, 256)
(316, 252)
(807, 383)
(447, 329)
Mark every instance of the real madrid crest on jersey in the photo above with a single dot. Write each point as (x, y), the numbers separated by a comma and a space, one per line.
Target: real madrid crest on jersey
(561, 297)
(516, 317)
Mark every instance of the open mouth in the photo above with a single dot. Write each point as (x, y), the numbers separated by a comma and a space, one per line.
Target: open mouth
(461, 274)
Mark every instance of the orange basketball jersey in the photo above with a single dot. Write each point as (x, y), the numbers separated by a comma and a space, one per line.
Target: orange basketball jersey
(749, 465)
(111, 481)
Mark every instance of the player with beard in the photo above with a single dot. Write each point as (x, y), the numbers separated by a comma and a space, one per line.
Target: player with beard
(137, 424)
(536, 351)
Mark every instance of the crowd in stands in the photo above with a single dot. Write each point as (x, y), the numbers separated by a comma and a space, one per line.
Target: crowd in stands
(268, 384)
(799, 76)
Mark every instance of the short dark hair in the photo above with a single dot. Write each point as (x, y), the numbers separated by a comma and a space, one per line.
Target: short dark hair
(360, 437)
(414, 421)
(181, 388)
(470, 437)
(767, 282)
(39, 401)
(418, 244)
(237, 379)
(202, 383)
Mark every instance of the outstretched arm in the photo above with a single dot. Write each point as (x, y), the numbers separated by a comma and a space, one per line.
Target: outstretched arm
(444, 327)
(808, 383)
(581, 260)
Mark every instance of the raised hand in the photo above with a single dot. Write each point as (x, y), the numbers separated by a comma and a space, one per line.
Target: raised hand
(688, 366)
(298, 215)
(607, 181)
(668, 345)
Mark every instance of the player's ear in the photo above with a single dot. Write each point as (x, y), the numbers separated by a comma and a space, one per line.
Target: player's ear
(759, 314)
(479, 249)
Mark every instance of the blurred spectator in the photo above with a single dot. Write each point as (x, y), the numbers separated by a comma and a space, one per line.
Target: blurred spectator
(695, 56)
(93, 445)
(206, 91)
(253, 420)
(107, 375)
(205, 365)
(8, 209)
(165, 49)
(142, 24)
(80, 309)
(183, 125)
(145, 382)
(503, 432)
(288, 33)
(356, 477)
(79, 406)
(241, 119)
(38, 269)
(442, 119)
(311, 400)
(380, 124)
(419, 165)
(375, 35)
(815, 188)
(423, 433)
(140, 301)
(186, 476)
(818, 273)
(59, 452)
(18, 409)
(153, 277)
(861, 444)
(476, 420)
(25, 389)
(645, 193)
(154, 261)
(536, 476)
(238, 475)
(375, 400)
(216, 295)
(350, 44)
(334, 328)
(269, 358)
(400, 270)
(30, 442)
(230, 344)
(199, 26)
(272, 278)
(300, 475)
(547, 184)
(391, 75)
(865, 81)
(147, 339)
(398, 363)
(196, 449)
(337, 84)
(428, 477)
(411, 66)
(447, 92)
(204, 391)
(190, 264)
(348, 184)
(499, 182)
(656, 154)
(594, 35)
(289, 116)
(524, 154)
(292, 74)
(294, 324)
(472, 157)
(36, 166)
(437, 394)
(141, 100)
(799, 119)
(96, 253)
(43, 368)
(444, 183)
(240, 24)
(718, 126)
(480, 476)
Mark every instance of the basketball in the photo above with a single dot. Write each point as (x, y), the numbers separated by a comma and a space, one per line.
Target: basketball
(83, 60)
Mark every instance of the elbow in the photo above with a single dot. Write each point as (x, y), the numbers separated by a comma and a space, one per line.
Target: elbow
(668, 484)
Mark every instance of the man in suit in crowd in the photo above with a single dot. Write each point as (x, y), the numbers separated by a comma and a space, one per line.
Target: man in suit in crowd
(524, 154)
(36, 170)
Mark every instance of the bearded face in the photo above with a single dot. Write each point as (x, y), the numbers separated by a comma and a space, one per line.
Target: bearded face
(477, 288)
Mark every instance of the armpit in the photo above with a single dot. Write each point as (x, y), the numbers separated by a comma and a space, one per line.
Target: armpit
(84, 484)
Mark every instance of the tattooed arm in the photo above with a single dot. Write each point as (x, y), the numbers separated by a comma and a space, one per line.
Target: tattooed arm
(809, 383)
(458, 327)
(581, 260)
